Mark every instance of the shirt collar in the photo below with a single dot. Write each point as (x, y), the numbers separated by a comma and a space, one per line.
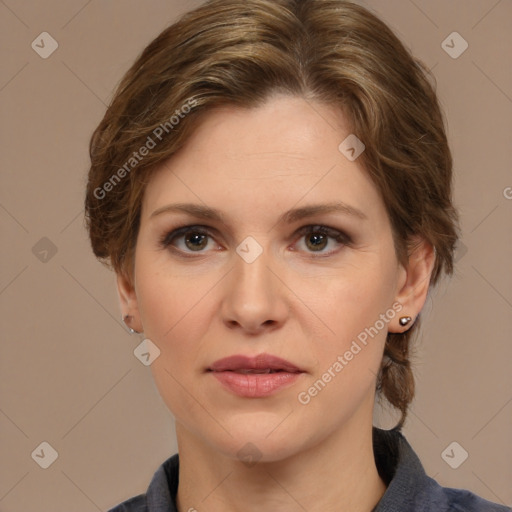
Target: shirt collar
(398, 466)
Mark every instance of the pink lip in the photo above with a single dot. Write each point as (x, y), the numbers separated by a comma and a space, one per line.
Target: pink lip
(234, 373)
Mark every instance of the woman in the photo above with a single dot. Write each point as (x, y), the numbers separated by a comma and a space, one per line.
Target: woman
(272, 186)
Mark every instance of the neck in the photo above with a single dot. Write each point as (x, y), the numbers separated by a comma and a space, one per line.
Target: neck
(337, 474)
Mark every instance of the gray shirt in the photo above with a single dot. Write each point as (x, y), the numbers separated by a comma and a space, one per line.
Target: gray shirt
(409, 488)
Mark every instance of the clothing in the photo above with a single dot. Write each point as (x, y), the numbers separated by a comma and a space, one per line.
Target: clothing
(409, 488)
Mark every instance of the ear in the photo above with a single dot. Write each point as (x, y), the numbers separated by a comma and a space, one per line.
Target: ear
(414, 282)
(129, 304)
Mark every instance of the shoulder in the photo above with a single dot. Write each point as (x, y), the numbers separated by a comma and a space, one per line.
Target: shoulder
(135, 504)
(409, 487)
(161, 493)
(461, 500)
(436, 498)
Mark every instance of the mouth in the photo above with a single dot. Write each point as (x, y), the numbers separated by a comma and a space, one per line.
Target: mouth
(254, 377)
(260, 364)
(254, 371)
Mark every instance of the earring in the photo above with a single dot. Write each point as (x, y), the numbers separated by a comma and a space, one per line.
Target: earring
(404, 320)
(126, 319)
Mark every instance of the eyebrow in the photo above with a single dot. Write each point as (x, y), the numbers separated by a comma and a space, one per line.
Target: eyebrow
(294, 215)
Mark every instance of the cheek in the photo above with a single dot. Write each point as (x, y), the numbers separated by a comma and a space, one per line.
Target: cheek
(167, 294)
(176, 310)
(174, 318)
(352, 300)
(172, 310)
(356, 308)
(347, 359)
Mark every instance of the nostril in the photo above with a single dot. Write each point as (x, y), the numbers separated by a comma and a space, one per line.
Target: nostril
(233, 323)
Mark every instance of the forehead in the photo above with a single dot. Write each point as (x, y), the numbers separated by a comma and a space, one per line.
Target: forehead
(284, 127)
(282, 153)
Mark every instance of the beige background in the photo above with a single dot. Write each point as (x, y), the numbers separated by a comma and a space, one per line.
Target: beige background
(69, 376)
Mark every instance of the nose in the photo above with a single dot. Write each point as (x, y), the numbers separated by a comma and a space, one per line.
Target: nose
(254, 298)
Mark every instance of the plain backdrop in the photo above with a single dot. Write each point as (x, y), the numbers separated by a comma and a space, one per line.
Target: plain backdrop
(69, 377)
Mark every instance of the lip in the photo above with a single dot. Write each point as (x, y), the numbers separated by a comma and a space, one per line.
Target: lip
(235, 374)
(259, 362)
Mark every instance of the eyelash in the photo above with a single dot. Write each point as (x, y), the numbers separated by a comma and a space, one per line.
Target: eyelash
(341, 238)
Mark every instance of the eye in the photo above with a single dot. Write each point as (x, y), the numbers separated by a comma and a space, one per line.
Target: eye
(188, 239)
(315, 239)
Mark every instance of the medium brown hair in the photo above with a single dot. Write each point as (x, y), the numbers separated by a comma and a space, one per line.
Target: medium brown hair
(240, 52)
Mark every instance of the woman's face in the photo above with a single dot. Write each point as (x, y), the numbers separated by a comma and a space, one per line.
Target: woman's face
(260, 239)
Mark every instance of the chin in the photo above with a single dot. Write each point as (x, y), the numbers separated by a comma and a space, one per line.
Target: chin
(262, 450)
(259, 437)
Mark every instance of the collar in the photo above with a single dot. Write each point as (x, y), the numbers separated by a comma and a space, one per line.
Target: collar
(408, 486)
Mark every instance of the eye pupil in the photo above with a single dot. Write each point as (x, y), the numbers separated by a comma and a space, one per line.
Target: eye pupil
(316, 241)
(196, 241)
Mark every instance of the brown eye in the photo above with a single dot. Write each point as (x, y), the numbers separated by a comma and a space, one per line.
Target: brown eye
(188, 239)
(196, 241)
(316, 241)
(322, 240)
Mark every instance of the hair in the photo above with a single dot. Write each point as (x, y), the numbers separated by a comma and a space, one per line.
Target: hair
(240, 53)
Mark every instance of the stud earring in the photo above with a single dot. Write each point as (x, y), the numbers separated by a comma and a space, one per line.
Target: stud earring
(126, 319)
(404, 320)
